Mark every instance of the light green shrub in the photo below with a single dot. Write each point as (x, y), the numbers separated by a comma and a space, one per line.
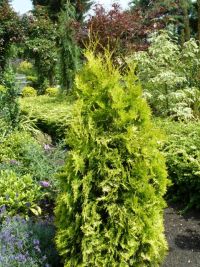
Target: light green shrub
(182, 152)
(28, 91)
(19, 194)
(52, 91)
(110, 209)
(170, 77)
(25, 67)
(50, 113)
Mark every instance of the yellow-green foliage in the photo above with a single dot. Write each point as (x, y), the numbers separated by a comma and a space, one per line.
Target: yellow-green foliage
(19, 193)
(110, 209)
(25, 67)
(51, 113)
(52, 91)
(28, 91)
(2, 89)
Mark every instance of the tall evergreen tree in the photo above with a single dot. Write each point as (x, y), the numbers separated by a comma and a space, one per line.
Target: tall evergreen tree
(198, 17)
(109, 211)
(55, 6)
(68, 49)
(185, 19)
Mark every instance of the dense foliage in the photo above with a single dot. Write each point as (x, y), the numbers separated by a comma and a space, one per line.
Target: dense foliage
(170, 77)
(10, 32)
(40, 46)
(68, 49)
(51, 114)
(119, 30)
(114, 179)
(19, 193)
(182, 151)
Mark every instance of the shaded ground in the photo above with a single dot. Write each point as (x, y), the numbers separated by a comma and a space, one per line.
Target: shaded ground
(183, 236)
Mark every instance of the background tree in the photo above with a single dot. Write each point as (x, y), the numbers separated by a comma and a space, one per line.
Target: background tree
(54, 7)
(41, 46)
(68, 49)
(10, 32)
(122, 31)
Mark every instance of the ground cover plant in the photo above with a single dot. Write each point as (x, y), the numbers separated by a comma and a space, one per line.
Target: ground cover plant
(51, 113)
(113, 183)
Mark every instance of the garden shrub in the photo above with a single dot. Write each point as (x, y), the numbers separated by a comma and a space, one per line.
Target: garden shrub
(110, 209)
(170, 77)
(9, 95)
(20, 194)
(51, 114)
(25, 67)
(21, 153)
(28, 91)
(52, 91)
(182, 152)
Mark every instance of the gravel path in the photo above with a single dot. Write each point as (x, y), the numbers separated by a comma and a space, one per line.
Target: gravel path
(183, 236)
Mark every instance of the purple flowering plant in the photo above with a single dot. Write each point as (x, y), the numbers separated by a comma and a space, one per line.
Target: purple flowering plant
(18, 245)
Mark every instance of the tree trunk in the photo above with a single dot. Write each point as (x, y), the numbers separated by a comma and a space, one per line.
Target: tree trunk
(198, 32)
(186, 21)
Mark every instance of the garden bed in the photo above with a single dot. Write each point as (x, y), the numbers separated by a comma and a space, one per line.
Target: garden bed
(183, 236)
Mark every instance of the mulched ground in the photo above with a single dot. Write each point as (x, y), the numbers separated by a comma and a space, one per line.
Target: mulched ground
(183, 236)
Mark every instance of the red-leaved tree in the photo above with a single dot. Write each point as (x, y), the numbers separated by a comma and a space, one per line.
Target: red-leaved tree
(121, 31)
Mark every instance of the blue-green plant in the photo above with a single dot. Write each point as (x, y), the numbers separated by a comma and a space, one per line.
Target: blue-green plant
(110, 208)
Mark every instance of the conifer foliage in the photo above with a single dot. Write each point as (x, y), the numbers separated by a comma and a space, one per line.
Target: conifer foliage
(110, 209)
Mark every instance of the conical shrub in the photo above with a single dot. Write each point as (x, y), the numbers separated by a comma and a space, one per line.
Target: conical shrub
(110, 209)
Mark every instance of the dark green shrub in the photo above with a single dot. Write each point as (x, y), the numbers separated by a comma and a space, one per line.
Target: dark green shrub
(9, 94)
(110, 209)
(182, 151)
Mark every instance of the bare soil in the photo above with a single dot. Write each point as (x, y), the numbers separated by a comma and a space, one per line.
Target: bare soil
(183, 236)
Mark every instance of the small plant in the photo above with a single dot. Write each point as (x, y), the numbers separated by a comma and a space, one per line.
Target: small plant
(19, 246)
(20, 194)
(21, 153)
(28, 91)
(25, 67)
(52, 91)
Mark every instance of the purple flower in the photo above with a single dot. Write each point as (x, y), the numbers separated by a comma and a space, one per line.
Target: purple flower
(14, 162)
(44, 183)
(36, 242)
(2, 209)
(47, 147)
